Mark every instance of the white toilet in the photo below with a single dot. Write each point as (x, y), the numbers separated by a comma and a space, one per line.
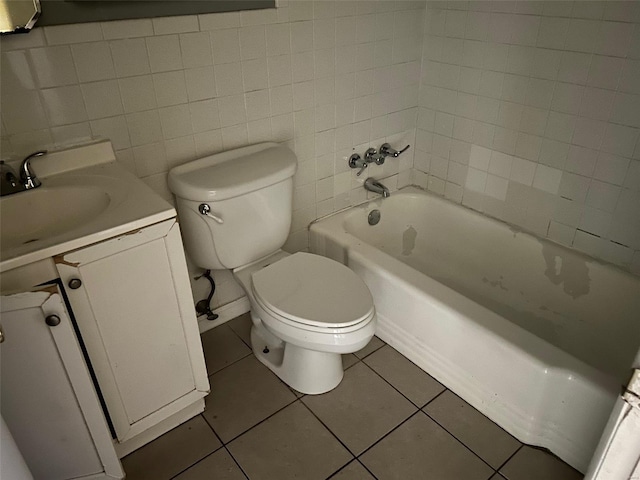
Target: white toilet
(235, 213)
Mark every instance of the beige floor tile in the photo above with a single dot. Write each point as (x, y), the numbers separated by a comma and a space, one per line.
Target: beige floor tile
(485, 438)
(349, 360)
(371, 347)
(242, 395)
(534, 464)
(171, 453)
(410, 380)
(353, 471)
(420, 449)
(217, 466)
(222, 347)
(292, 444)
(362, 409)
(497, 476)
(242, 326)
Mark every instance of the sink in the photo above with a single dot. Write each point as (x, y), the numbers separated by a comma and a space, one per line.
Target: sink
(86, 197)
(46, 212)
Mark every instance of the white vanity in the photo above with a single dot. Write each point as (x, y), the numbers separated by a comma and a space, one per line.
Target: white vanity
(100, 236)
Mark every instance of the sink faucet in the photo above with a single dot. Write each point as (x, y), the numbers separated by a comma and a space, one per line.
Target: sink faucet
(372, 185)
(28, 178)
(9, 182)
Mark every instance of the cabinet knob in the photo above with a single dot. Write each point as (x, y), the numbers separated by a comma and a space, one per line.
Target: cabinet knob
(52, 320)
(75, 283)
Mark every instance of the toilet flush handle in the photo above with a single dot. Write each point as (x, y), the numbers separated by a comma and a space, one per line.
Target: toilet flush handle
(205, 209)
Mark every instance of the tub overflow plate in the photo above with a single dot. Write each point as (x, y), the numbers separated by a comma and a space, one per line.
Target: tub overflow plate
(374, 217)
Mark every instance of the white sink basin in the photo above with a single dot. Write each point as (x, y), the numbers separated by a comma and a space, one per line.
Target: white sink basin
(46, 212)
(85, 197)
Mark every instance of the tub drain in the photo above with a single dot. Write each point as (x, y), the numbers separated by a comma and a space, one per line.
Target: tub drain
(374, 217)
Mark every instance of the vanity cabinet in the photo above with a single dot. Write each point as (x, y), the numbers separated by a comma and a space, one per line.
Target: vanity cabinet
(47, 397)
(132, 302)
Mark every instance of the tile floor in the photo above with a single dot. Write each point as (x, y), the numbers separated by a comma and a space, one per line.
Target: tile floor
(386, 420)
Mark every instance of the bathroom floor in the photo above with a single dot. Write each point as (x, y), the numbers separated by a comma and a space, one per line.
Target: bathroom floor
(386, 420)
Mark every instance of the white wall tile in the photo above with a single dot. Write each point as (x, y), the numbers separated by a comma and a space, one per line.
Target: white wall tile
(127, 29)
(170, 87)
(225, 45)
(232, 111)
(102, 99)
(64, 105)
(130, 57)
(252, 42)
(93, 61)
(228, 79)
(175, 121)
(196, 49)
(164, 53)
(144, 127)
(180, 24)
(137, 93)
(54, 66)
(205, 116)
(75, 33)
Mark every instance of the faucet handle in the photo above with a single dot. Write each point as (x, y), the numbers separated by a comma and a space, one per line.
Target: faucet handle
(356, 161)
(389, 151)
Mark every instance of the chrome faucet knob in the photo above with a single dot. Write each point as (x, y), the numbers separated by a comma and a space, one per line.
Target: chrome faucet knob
(356, 161)
(388, 151)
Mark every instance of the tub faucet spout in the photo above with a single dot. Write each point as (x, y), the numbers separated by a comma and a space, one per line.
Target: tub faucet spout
(372, 185)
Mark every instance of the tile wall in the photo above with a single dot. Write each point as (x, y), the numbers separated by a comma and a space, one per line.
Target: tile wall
(530, 112)
(325, 77)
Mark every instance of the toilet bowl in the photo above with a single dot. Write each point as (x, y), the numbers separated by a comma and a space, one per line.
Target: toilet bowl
(307, 310)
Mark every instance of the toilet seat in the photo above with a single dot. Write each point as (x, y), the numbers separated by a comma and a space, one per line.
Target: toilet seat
(313, 292)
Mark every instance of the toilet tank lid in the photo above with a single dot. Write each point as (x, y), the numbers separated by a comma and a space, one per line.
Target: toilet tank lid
(232, 173)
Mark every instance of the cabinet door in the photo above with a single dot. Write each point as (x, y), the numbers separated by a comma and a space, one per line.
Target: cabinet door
(137, 326)
(48, 399)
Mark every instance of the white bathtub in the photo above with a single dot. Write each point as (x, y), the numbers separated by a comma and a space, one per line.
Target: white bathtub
(537, 337)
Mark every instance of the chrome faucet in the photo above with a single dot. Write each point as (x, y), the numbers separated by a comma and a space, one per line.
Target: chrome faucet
(372, 185)
(28, 178)
(9, 182)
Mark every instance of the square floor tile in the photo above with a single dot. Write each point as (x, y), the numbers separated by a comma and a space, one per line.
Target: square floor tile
(219, 466)
(362, 409)
(420, 448)
(292, 444)
(222, 347)
(242, 395)
(406, 377)
(173, 452)
(353, 471)
(485, 438)
(242, 326)
(371, 347)
(533, 464)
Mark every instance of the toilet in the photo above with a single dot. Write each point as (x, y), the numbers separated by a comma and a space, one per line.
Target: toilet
(307, 310)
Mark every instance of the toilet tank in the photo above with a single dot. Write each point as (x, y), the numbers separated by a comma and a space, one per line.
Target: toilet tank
(249, 190)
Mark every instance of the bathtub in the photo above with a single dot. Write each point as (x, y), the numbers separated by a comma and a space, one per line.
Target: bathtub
(537, 337)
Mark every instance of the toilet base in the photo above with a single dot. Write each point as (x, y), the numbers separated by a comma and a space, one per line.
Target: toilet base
(307, 371)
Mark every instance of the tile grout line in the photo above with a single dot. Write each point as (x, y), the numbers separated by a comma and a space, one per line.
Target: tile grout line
(224, 446)
(333, 434)
(510, 457)
(407, 398)
(460, 441)
(253, 426)
(388, 433)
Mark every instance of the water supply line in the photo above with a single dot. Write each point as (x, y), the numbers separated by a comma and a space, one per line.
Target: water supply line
(203, 307)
